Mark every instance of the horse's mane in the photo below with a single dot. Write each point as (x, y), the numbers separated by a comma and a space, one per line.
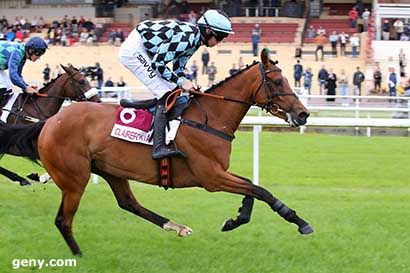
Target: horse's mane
(214, 86)
(47, 85)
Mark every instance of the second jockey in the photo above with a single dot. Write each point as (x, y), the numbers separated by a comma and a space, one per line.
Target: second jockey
(153, 44)
(13, 57)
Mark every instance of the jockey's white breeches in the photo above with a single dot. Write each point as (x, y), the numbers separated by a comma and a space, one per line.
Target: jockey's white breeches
(135, 58)
(5, 81)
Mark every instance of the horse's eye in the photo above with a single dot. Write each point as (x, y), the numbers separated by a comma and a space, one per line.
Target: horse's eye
(277, 82)
(82, 81)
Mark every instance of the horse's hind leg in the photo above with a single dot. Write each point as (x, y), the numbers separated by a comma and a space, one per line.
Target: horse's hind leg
(127, 201)
(64, 219)
(14, 177)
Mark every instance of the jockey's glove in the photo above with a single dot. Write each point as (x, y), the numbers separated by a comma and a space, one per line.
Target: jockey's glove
(187, 85)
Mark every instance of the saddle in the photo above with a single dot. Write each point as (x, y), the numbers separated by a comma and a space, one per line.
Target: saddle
(180, 105)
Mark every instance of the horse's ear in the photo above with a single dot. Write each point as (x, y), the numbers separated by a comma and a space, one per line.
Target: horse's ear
(65, 68)
(265, 57)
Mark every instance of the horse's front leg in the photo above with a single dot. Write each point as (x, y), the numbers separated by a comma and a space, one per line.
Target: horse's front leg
(224, 181)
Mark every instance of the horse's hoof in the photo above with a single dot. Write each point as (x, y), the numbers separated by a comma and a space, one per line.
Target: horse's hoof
(24, 183)
(34, 177)
(228, 225)
(185, 232)
(305, 230)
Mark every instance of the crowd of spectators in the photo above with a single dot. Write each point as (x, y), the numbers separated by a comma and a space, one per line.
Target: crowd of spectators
(64, 32)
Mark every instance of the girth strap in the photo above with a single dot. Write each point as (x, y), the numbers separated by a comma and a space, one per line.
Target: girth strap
(207, 129)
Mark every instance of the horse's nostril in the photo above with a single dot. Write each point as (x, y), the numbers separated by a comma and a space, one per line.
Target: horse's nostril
(302, 117)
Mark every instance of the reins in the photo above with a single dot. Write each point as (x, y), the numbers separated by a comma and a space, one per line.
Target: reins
(270, 106)
(176, 93)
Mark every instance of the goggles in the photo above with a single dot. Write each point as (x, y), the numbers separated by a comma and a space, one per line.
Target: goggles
(39, 52)
(219, 36)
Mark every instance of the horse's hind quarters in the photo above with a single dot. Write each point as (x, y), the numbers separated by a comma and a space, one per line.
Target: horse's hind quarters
(181, 230)
(305, 230)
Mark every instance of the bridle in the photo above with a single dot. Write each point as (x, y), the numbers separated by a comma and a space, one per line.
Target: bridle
(270, 106)
(78, 96)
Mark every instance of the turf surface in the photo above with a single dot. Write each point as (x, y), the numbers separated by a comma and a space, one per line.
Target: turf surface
(354, 191)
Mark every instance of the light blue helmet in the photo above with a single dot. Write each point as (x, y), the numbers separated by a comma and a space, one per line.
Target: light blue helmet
(216, 20)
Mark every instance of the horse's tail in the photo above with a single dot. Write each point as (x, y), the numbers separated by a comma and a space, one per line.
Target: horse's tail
(20, 140)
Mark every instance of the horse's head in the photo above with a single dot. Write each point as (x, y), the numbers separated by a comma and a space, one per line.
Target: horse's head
(276, 96)
(76, 86)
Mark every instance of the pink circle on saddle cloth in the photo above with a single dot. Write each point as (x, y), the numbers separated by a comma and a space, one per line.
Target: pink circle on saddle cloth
(135, 118)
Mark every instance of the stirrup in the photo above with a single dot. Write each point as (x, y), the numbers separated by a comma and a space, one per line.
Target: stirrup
(167, 152)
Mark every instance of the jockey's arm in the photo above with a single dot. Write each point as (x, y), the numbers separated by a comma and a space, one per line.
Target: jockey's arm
(177, 50)
(15, 69)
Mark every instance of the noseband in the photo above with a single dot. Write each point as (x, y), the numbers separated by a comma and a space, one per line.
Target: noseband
(270, 106)
(79, 96)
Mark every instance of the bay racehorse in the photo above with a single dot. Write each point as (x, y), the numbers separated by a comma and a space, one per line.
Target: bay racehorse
(77, 141)
(27, 108)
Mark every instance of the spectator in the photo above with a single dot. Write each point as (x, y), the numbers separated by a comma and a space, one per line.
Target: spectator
(320, 31)
(343, 37)
(233, 70)
(192, 17)
(320, 41)
(111, 37)
(41, 23)
(205, 61)
(311, 32)
(99, 75)
(34, 24)
(211, 74)
(377, 79)
(392, 83)
(109, 83)
(343, 87)
(386, 30)
(256, 35)
(194, 71)
(19, 35)
(240, 63)
(307, 80)
(56, 72)
(399, 27)
(298, 53)
(121, 82)
(119, 37)
(402, 63)
(322, 77)
(359, 24)
(331, 85)
(365, 17)
(333, 38)
(358, 78)
(353, 17)
(359, 7)
(84, 35)
(355, 42)
(46, 74)
(297, 73)
(11, 35)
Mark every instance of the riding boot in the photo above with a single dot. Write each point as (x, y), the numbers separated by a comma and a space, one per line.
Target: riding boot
(160, 150)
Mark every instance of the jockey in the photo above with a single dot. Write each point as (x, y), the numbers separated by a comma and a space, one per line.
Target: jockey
(13, 56)
(153, 44)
